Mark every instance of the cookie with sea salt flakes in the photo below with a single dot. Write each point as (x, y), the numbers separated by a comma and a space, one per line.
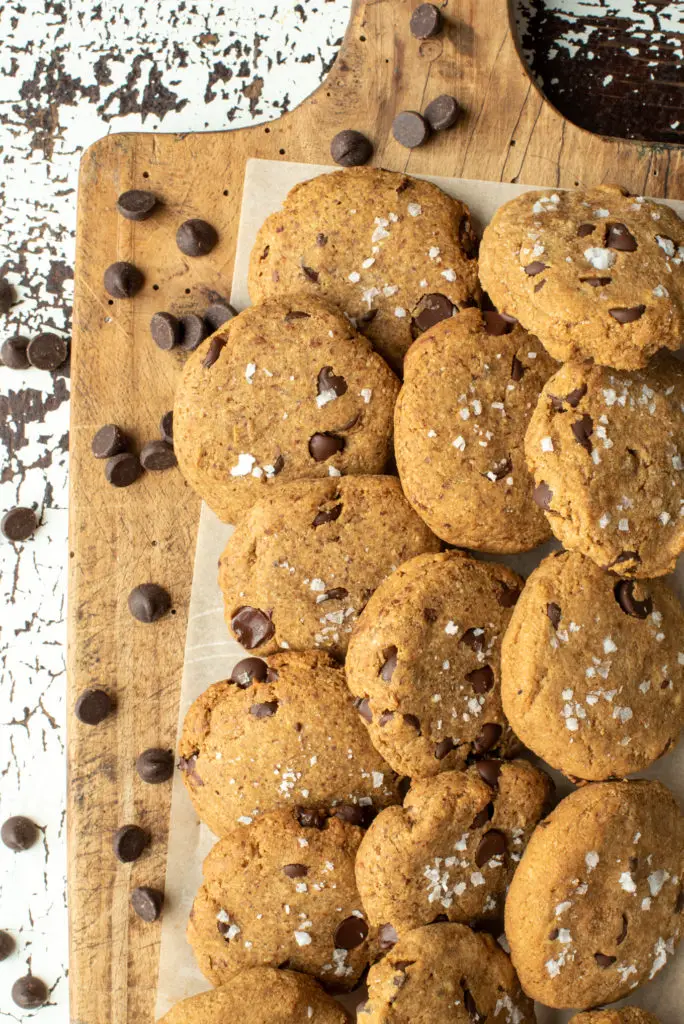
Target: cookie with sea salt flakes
(627, 1015)
(303, 562)
(592, 668)
(470, 386)
(281, 733)
(445, 973)
(424, 663)
(262, 995)
(594, 273)
(394, 253)
(595, 907)
(451, 850)
(278, 892)
(283, 391)
(607, 452)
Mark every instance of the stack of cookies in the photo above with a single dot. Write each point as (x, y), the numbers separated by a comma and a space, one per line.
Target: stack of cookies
(390, 403)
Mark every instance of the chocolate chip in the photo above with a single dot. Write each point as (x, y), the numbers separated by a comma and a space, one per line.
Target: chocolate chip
(336, 594)
(218, 314)
(248, 671)
(188, 765)
(193, 332)
(158, 455)
(6, 295)
(554, 614)
(265, 710)
(542, 495)
(223, 927)
(625, 556)
(585, 229)
(148, 602)
(603, 960)
(490, 771)
(481, 679)
(18, 833)
(596, 282)
(582, 430)
(19, 524)
(627, 316)
(350, 148)
(328, 515)
(6, 945)
(93, 706)
(278, 464)
(310, 273)
(426, 21)
(363, 707)
(385, 717)
(47, 351)
(30, 992)
(350, 933)
(147, 903)
(309, 818)
(499, 470)
(214, 351)
(122, 280)
(109, 440)
(432, 308)
(620, 238)
(492, 844)
(474, 638)
(517, 369)
(497, 324)
(532, 269)
(389, 664)
(483, 816)
(623, 931)
(166, 330)
(324, 446)
(129, 842)
(327, 381)
(507, 597)
(410, 129)
(414, 722)
(166, 427)
(444, 747)
(195, 237)
(295, 870)
(368, 316)
(13, 353)
(155, 765)
(574, 397)
(488, 737)
(252, 627)
(442, 113)
(136, 204)
(123, 469)
(321, 240)
(387, 936)
(624, 595)
(539, 285)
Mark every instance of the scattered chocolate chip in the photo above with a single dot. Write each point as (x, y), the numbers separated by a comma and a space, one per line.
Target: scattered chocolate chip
(18, 833)
(582, 430)
(136, 204)
(620, 238)
(444, 747)
(327, 381)
(474, 638)
(147, 903)
(129, 842)
(321, 240)
(350, 148)
(585, 229)
(542, 495)
(158, 455)
(481, 679)
(188, 765)
(431, 309)
(195, 237)
(426, 21)
(389, 664)
(296, 314)
(603, 960)
(554, 614)
(508, 596)
(328, 515)
(483, 816)
(442, 113)
(336, 594)
(309, 818)
(385, 717)
(532, 269)
(387, 936)
(324, 446)
(492, 844)
(368, 316)
(265, 710)
(596, 282)
(539, 285)
(574, 397)
(310, 273)
(490, 771)
(29, 992)
(278, 465)
(123, 469)
(627, 316)
(122, 280)
(488, 737)
(248, 671)
(410, 129)
(363, 707)
(252, 627)
(13, 353)
(624, 595)
(109, 440)
(295, 870)
(6, 945)
(355, 815)
(148, 602)
(497, 324)
(93, 706)
(6, 295)
(19, 524)
(218, 314)
(517, 369)
(625, 556)
(350, 933)
(499, 470)
(47, 351)
(623, 931)
(414, 722)
(166, 427)
(193, 332)
(166, 330)
(155, 765)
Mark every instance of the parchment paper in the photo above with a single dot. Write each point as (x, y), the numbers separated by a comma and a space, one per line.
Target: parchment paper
(210, 652)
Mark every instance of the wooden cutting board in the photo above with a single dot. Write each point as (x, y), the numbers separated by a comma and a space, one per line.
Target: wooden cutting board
(119, 538)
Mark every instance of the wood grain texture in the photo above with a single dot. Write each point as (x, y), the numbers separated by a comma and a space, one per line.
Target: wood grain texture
(147, 532)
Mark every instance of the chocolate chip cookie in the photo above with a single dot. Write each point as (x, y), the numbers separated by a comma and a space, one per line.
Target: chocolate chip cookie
(450, 852)
(424, 663)
(281, 733)
(280, 893)
(594, 273)
(592, 668)
(262, 995)
(607, 452)
(470, 386)
(627, 1015)
(284, 391)
(594, 908)
(303, 562)
(392, 252)
(445, 973)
